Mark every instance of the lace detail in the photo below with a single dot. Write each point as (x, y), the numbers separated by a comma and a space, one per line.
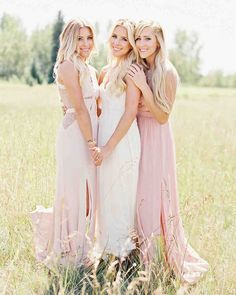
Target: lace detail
(68, 119)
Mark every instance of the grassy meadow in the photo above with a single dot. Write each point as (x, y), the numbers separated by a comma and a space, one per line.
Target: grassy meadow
(204, 123)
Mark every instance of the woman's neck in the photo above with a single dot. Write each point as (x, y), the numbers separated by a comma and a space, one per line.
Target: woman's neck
(150, 62)
(84, 60)
(120, 60)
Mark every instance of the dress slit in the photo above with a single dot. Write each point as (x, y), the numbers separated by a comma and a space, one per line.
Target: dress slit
(157, 196)
(62, 233)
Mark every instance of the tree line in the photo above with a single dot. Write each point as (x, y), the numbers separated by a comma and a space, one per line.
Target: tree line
(30, 59)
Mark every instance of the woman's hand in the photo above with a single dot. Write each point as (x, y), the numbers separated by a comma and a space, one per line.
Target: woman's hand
(95, 153)
(137, 75)
(100, 153)
(106, 151)
(97, 156)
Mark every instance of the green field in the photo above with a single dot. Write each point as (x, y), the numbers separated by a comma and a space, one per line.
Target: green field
(204, 123)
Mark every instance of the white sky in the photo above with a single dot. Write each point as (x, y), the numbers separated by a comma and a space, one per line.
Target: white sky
(213, 20)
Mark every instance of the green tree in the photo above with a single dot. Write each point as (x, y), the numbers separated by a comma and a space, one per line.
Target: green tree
(213, 79)
(99, 59)
(35, 73)
(56, 31)
(231, 80)
(14, 48)
(41, 47)
(186, 56)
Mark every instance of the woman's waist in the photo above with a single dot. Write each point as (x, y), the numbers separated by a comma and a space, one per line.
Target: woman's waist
(112, 107)
(111, 115)
(87, 100)
(132, 135)
(144, 113)
(70, 115)
(109, 126)
(90, 105)
(148, 122)
(70, 118)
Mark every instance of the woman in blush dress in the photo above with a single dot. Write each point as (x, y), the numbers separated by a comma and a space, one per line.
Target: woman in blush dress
(157, 196)
(64, 235)
(119, 140)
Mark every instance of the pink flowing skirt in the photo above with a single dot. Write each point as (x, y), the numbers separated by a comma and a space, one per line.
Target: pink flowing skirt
(157, 202)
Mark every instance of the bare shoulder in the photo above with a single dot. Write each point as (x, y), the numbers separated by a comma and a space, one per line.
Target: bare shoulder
(66, 67)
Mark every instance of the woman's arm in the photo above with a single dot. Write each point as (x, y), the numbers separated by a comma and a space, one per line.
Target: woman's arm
(70, 79)
(139, 78)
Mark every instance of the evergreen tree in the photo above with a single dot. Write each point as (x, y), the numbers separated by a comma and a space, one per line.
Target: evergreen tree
(35, 73)
(57, 29)
(41, 47)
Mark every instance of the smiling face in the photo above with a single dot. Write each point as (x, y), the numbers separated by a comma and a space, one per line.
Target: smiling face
(119, 42)
(146, 44)
(85, 42)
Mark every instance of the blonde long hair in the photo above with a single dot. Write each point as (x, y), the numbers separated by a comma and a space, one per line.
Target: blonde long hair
(118, 67)
(161, 65)
(68, 48)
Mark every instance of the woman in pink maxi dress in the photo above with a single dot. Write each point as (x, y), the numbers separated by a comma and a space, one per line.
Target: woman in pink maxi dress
(157, 196)
(64, 234)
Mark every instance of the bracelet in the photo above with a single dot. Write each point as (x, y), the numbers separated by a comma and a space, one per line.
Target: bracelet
(91, 141)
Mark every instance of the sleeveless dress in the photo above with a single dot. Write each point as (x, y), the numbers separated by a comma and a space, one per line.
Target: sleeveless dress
(117, 180)
(157, 200)
(64, 234)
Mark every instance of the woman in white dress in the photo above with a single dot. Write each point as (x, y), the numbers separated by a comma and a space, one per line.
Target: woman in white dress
(119, 140)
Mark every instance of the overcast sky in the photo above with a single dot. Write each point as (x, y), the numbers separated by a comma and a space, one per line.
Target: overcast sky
(213, 20)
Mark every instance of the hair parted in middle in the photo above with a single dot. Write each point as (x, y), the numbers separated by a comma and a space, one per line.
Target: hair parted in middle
(119, 67)
(68, 47)
(162, 64)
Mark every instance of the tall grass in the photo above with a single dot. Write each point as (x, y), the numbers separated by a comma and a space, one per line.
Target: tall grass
(204, 124)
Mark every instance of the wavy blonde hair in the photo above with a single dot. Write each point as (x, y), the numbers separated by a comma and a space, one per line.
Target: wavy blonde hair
(161, 65)
(118, 67)
(68, 48)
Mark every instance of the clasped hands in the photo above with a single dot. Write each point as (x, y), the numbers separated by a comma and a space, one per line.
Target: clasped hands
(98, 154)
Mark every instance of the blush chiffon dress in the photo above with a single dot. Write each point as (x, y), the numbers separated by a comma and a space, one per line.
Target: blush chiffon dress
(158, 212)
(64, 234)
